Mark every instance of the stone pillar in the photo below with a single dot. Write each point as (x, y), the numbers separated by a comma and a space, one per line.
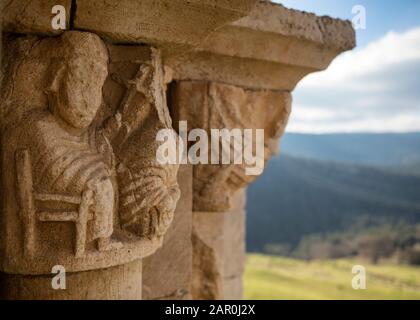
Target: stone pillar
(242, 77)
(219, 252)
(218, 190)
(234, 248)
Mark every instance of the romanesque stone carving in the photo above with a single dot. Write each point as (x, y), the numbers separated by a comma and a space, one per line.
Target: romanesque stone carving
(210, 105)
(81, 183)
(271, 48)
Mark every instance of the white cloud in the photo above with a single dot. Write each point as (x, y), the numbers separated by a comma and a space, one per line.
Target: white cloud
(375, 88)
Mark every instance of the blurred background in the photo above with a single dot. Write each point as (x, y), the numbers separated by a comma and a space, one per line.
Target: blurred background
(345, 190)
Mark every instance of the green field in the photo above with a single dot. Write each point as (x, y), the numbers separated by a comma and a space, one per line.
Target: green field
(268, 277)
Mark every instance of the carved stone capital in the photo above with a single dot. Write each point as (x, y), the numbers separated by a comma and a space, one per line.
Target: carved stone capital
(208, 105)
(81, 183)
(242, 77)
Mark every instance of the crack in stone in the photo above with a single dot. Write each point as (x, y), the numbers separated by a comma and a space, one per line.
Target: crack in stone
(73, 9)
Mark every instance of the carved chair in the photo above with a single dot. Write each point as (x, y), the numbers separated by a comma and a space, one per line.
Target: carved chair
(34, 207)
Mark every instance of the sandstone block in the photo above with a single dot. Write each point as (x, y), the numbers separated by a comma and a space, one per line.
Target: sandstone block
(35, 16)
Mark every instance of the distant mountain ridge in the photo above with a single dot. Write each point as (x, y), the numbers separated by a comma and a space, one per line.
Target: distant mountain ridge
(297, 196)
(387, 149)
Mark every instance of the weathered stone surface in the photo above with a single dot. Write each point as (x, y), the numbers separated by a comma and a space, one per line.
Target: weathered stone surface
(233, 288)
(24, 16)
(172, 24)
(167, 273)
(234, 238)
(219, 252)
(247, 73)
(245, 42)
(273, 48)
(207, 239)
(274, 18)
(117, 283)
(209, 105)
(234, 249)
(82, 188)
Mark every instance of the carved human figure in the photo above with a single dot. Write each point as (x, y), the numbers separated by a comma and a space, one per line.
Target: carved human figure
(69, 155)
(66, 162)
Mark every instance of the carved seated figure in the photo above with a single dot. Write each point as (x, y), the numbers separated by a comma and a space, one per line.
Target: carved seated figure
(64, 163)
(68, 155)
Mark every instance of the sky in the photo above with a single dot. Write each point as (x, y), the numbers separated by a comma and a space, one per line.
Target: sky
(375, 87)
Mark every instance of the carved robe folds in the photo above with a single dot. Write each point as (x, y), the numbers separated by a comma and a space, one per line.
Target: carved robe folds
(82, 187)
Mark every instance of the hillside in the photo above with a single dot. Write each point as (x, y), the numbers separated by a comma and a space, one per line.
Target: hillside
(297, 197)
(276, 278)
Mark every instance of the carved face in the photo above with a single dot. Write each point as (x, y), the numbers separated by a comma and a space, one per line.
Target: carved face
(80, 93)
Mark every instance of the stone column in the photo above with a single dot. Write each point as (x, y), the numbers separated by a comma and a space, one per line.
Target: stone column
(242, 77)
(219, 252)
(218, 235)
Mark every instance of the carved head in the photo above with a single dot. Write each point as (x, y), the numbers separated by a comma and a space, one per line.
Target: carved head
(78, 73)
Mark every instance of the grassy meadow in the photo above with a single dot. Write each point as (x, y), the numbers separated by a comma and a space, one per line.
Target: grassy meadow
(278, 278)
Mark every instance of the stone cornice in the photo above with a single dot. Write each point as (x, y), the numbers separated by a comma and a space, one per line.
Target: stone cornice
(274, 18)
(255, 45)
(271, 48)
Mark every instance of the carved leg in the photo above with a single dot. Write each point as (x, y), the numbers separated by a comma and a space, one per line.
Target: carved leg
(81, 223)
(25, 199)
